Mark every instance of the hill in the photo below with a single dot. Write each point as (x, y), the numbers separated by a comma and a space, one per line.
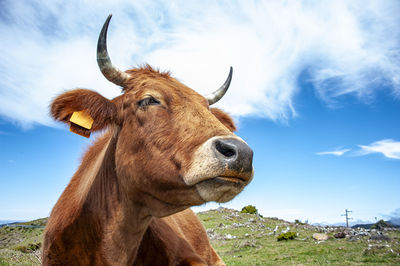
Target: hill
(246, 239)
(7, 222)
(379, 224)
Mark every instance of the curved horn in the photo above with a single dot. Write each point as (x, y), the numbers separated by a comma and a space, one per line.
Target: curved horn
(109, 71)
(217, 95)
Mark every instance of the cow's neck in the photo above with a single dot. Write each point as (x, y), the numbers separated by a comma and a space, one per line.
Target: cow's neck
(121, 223)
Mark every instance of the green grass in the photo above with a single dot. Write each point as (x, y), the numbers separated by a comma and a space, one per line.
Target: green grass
(240, 239)
(255, 243)
(21, 245)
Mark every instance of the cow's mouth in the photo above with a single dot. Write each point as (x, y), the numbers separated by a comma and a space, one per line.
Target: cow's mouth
(230, 180)
(221, 188)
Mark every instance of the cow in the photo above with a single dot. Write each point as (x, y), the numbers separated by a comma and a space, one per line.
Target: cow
(161, 150)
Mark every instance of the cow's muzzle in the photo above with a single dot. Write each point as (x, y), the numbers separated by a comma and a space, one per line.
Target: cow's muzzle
(223, 159)
(221, 168)
(236, 157)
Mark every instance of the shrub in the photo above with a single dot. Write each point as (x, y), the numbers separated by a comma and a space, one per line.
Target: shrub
(380, 225)
(34, 246)
(249, 209)
(287, 236)
(29, 248)
(21, 249)
(297, 221)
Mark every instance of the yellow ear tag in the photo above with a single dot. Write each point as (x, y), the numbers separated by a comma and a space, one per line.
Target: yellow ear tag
(81, 123)
(82, 118)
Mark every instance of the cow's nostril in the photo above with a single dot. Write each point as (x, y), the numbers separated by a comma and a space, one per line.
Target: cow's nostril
(226, 149)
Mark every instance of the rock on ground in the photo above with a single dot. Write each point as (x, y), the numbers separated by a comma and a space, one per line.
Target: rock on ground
(320, 237)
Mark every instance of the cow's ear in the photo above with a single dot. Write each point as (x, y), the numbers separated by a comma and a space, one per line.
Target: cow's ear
(83, 110)
(224, 118)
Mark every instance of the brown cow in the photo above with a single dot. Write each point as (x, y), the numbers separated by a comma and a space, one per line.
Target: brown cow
(163, 150)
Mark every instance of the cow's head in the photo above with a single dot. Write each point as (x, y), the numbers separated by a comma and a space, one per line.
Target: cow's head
(171, 148)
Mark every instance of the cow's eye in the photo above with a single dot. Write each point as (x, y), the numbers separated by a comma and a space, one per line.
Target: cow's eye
(148, 101)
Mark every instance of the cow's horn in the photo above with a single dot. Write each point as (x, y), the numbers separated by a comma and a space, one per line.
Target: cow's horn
(112, 73)
(217, 95)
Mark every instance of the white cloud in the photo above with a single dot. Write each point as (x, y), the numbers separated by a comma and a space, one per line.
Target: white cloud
(335, 152)
(347, 47)
(388, 147)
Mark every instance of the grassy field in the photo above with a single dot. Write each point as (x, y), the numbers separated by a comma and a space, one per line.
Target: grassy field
(20, 245)
(244, 239)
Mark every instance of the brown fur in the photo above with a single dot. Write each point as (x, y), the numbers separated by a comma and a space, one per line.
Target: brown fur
(115, 209)
(224, 118)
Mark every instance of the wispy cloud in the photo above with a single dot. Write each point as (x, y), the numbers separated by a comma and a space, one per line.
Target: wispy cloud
(388, 147)
(334, 152)
(348, 47)
(394, 217)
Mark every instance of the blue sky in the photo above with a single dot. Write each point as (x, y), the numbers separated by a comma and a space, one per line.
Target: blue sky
(315, 92)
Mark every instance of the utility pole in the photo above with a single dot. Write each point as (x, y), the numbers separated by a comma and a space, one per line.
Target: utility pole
(347, 217)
